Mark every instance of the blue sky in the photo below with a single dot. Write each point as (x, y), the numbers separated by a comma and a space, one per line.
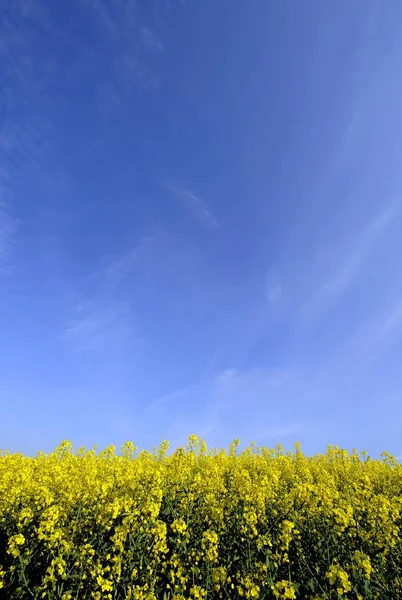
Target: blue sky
(200, 223)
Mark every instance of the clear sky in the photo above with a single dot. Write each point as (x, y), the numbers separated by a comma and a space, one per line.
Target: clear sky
(200, 223)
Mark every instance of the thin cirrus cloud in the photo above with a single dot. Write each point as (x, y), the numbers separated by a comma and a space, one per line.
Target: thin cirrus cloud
(100, 316)
(113, 16)
(104, 308)
(8, 233)
(247, 403)
(372, 340)
(351, 261)
(273, 290)
(195, 205)
(98, 326)
(130, 50)
(9, 223)
(150, 41)
(25, 148)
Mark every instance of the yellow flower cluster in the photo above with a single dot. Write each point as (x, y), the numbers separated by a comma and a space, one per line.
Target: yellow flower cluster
(200, 524)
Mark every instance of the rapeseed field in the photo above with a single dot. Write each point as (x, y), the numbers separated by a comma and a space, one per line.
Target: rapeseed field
(200, 524)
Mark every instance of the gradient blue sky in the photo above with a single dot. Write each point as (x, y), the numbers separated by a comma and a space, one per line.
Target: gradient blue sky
(200, 223)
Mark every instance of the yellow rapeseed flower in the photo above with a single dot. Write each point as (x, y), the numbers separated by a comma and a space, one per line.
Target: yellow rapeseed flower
(199, 523)
(284, 589)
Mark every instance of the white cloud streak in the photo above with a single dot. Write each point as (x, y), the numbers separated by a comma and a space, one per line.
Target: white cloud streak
(132, 47)
(8, 233)
(9, 224)
(352, 259)
(232, 403)
(371, 341)
(23, 140)
(98, 326)
(102, 319)
(195, 205)
(150, 41)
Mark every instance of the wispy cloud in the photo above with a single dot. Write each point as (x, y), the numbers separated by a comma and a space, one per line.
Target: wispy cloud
(100, 316)
(149, 40)
(133, 48)
(120, 286)
(350, 260)
(195, 205)
(119, 16)
(273, 287)
(232, 403)
(120, 267)
(372, 340)
(8, 232)
(98, 326)
(9, 224)
(24, 128)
